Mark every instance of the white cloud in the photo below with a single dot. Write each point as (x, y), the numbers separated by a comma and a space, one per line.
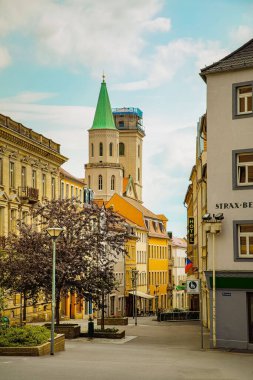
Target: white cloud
(242, 34)
(5, 58)
(28, 97)
(160, 24)
(172, 57)
(96, 34)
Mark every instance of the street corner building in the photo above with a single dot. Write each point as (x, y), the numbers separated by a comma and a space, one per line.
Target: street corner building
(220, 199)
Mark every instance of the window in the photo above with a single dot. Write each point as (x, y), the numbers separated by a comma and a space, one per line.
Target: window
(67, 191)
(242, 99)
(72, 191)
(89, 182)
(111, 149)
(1, 221)
(113, 182)
(92, 150)
(12, 175)
(76, 193)
(100, 182)
(121, 149)
(100, 149)
(23, 176)
(242, 169)
(44, 185)
(243, 240)
(1, 171)
(13, 220)
(62, 190)
(138, 150)
(53, 188)
(139, 174)
(34, 179)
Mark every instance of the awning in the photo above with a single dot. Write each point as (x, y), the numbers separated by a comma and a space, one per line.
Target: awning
(142, 295)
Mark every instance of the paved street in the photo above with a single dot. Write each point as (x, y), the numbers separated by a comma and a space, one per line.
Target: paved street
(151, 351)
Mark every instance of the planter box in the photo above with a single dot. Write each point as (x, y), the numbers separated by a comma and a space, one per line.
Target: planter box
(43, 349)
(71, 331)
(106, 335)
(114, 321)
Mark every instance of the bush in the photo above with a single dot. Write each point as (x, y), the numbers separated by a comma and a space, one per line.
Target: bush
(24, 336)
(107, 330)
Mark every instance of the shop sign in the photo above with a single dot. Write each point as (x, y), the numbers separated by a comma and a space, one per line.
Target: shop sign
(191, 230)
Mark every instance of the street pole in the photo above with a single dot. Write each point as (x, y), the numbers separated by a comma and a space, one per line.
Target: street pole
(214, 296)
(201, 314)
(53, 300)
(135, 301)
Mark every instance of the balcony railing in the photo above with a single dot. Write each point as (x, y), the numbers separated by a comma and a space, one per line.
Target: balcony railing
(29, 194)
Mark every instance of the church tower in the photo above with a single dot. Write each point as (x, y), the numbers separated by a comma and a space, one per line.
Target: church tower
(128, 121)
(104, 173)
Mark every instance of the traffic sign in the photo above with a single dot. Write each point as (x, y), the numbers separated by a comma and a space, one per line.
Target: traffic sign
(192, 286)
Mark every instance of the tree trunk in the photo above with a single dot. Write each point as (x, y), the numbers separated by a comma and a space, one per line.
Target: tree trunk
(24, 308)
(103, 312)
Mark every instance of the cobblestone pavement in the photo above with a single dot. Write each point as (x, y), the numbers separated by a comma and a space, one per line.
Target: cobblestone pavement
(151, 351)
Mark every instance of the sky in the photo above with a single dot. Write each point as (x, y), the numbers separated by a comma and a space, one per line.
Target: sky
(53, 54)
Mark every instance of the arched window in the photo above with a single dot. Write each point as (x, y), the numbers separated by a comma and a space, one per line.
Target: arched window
(89, 181)
(92, 150)
(138, 150)
(100, 182)
(101, 149)
(111, 149)
(121, 149)
(139, 174)
(113, 182)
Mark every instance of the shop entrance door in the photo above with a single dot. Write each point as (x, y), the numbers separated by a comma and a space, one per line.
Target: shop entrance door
(250, 313)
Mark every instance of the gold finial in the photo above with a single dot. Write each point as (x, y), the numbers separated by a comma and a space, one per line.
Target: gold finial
(103, 77)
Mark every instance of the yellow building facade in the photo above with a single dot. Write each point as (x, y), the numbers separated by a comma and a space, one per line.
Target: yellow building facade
(29, 173)
(196, 203)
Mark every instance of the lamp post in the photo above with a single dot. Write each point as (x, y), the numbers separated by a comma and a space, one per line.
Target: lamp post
(54, 233)
(156, 299)
(212, 225)
(134, 285)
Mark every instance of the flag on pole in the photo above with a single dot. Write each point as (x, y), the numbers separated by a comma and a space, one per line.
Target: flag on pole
(188, 265)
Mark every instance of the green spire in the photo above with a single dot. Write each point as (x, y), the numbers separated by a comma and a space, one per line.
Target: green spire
(103, 118)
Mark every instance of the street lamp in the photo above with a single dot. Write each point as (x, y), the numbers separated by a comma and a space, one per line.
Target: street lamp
(156, 298)
(54, 233)
(134, 285)
(212, 225)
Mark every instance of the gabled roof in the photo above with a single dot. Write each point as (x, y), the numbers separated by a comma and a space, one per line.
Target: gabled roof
(103, 118)
(179, 242)
(65, 174)
(241, 58)
(129, 189)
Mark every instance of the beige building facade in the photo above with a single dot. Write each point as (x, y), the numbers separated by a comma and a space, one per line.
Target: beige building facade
(29, 174)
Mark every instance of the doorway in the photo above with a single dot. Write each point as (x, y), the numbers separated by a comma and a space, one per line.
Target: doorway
(250, 316)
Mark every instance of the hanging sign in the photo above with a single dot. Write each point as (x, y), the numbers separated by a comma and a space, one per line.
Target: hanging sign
(191, 230)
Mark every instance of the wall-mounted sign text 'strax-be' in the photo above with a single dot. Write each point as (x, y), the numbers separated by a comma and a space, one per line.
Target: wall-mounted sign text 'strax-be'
(191, 230)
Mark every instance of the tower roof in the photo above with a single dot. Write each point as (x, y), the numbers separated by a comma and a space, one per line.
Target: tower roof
(103, 118)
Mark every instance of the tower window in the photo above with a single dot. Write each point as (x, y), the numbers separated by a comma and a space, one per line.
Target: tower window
(121, 149)
(100, 182)
(89, 181)
(111, 149)
(138, 150)
(138, 174)
(113, 182)
(92, 150)
(101, 149)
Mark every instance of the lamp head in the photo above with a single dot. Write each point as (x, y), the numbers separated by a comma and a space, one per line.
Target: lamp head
(207, 217)
(219, 216)
(54, 232)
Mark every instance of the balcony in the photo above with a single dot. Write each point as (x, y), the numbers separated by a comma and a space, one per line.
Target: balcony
(28, 194)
